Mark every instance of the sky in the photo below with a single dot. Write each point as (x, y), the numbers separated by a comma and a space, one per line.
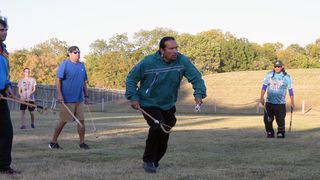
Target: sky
(81, 22)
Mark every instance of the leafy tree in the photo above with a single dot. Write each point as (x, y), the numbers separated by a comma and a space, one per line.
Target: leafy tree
(211, 51)
(296, 59)
(297, 48)
(270, 50)
(120, 42)
(148, 41)
(203, 49)
(17, 63)
(99, 47)
(313, 50)
(43, 60)
(237, 54)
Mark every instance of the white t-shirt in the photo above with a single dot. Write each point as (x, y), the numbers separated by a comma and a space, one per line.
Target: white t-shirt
(26, 85)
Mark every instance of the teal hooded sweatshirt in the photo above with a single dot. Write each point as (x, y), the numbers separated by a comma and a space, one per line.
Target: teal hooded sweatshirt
(159, 81)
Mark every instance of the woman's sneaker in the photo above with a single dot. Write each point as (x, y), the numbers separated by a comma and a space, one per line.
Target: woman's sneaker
(54, 146)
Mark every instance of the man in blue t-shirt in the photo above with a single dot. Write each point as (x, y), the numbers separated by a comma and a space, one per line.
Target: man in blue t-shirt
(6, 131)
(71, 87)
(276, 83)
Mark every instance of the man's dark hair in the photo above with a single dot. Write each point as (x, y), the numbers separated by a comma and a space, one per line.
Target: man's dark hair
(279, 63)
(3, 21)
(163, 40)
(26, 69)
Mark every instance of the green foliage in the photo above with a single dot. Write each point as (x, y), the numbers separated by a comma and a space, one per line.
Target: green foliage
(295, 59)
(17, 64)
(120, 42)
(108, 70)
(313, 50)
(203, 49)
(211, 51)
(148, 41)
(43, 60)
(99, 47)
(270, 50)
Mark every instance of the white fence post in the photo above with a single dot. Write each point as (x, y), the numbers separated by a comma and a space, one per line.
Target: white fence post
(102, 104)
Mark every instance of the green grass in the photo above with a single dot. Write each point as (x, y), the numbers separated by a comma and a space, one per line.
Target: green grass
(227, 144)
(238, 92)
(201, 147)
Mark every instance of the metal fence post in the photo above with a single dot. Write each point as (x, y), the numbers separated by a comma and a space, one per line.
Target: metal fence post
(102, 104)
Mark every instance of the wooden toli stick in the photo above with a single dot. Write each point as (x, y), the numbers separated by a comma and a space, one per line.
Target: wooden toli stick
(163, 126)
(18, 101)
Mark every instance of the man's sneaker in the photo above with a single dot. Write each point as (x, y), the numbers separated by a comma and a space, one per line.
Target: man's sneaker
(280, 135)
(23, 127)
(270, 135)
(84, 146)
(156, 164)
(9, 171)
(149, 167)
(54, 146)
(32, 126)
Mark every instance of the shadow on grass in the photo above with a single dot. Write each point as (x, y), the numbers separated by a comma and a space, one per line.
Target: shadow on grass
(199, 121)
(220, 152)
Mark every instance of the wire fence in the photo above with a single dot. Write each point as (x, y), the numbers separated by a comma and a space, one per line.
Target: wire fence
(101, 101)
(45, 95)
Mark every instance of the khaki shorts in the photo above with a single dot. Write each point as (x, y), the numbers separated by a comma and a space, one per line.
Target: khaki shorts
(75, 108)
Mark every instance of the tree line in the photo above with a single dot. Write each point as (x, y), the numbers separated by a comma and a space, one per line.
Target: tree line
(213, 51)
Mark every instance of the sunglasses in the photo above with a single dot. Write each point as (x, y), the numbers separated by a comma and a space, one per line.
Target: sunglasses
(76, 52)
(3, 29)
(278, 67)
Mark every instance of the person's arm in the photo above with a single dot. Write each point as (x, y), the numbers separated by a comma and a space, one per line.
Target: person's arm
(85, 92)
(32, 90)
(60, 76)
(264, 88)
(33, 87)
(292, 101)
(135, 104)
(9, 91)
(194, 77)
(20, 91)
(291, 94)
(132, 81)
(59, 92)
(263, 91)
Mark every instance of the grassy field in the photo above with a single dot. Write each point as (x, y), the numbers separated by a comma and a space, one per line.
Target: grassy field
(238, 93)
(201, 147)
(227, 144)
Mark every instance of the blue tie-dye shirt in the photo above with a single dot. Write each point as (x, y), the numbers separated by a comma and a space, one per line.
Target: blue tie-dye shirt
(277, 85)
